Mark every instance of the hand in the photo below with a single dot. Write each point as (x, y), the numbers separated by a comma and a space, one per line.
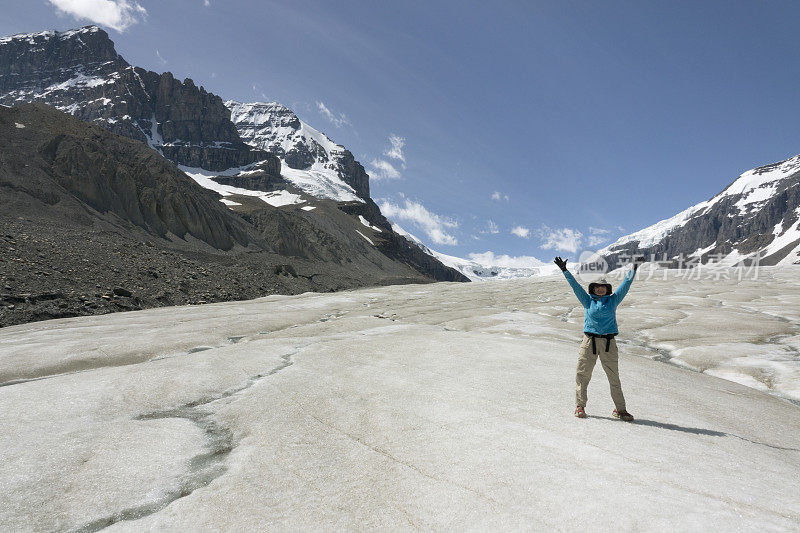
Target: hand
(562, 263)
(638, 260)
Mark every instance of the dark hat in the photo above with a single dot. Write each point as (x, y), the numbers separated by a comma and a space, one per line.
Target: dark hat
(601, 283)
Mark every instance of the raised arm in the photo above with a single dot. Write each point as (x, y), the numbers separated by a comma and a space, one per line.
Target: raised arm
(623, 288)
(579, 291)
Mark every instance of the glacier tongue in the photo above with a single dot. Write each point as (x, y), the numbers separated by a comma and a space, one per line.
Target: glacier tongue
(438, 407)
(320, 182)
(479, 270)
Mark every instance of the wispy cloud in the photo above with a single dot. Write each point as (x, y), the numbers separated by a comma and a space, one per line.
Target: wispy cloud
(594, 240)
(491, 228)
(564, 239)
(380, 169)
(161, 58)
(436, 227)
(337, 120)
(396, 150)
(206, 3)
(521, 231)
(497, 196)
(597, 236)
(115, 14)
(256, 89)
(503, 260)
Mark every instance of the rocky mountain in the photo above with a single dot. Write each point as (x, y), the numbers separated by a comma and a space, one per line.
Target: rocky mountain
(320, 162)
(93, 222)
(80, 72)
(758, 213)
(286, 162)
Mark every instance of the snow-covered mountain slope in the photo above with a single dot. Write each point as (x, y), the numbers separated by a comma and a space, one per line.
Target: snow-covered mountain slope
(759, 213)
(315, 163)
(80, 72)
(438, 407)
(479, 271)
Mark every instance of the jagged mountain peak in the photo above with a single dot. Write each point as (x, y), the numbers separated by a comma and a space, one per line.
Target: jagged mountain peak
(79, 72)
(275, 128)
(757, 185)
(34, 38)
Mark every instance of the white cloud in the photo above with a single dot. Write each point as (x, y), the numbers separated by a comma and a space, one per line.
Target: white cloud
(492, 228)
(396, 151)
(115, 14)
(161, 58)
(521, 231)
(337, 120)
(490, 259)
(564, 239)
(206, 3)
(497, 196)
(435, 226)
(597, 236)
(594, 240)
(383, 170)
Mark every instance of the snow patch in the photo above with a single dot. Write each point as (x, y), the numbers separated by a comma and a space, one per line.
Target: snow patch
(204, 179)
(81, 81)
(367, 238)
(281, 198)
(365, 222)
(320, 183)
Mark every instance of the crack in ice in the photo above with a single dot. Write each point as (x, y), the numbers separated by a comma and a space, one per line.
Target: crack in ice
(203, 468)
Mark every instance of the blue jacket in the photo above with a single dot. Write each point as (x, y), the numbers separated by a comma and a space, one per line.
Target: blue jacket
(600, 315)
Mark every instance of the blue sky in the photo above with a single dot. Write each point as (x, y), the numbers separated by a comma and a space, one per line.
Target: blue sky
(570, 122)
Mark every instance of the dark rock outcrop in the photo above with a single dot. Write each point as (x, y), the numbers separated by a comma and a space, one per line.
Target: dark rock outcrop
(80, 72)
(263, 177)
(111, 175)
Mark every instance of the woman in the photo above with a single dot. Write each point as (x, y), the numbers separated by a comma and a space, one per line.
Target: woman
(600, 327)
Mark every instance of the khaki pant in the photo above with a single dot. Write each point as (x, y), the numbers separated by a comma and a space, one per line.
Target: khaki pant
(610, 361)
